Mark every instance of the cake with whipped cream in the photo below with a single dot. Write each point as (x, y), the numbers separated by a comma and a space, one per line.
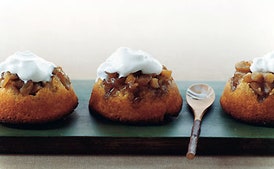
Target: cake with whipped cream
(134, 87)
(33, 90)
(249, 94)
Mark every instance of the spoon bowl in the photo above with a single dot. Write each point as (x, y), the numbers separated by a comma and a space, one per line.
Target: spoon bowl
(199, 97)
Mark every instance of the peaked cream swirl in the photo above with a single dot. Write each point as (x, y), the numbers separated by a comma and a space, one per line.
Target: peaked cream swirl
(28, 66)
(125, 61)
(263, 64)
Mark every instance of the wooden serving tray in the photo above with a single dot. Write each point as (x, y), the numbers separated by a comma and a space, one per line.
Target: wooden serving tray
(83, 133)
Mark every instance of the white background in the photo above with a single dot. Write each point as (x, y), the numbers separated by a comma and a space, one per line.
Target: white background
(197, 39)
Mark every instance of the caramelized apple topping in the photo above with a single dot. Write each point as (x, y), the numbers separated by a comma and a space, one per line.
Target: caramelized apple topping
(12, 81)
(137, 84)
(58, 71)
(261, 83)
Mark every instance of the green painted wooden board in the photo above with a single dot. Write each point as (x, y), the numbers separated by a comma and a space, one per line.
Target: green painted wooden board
(83, 133)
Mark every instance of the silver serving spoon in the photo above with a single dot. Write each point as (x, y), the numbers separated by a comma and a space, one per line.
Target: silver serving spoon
(199, 97)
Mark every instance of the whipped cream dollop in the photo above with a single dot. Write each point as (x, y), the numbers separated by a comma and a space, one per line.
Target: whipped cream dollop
(28, 66)
(125, 61)
(263, 64)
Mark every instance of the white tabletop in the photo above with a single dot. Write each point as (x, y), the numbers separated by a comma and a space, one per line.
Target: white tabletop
(132, 162)
(197, 40)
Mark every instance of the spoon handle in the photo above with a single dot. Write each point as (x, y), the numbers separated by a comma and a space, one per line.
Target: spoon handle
(195, 133)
